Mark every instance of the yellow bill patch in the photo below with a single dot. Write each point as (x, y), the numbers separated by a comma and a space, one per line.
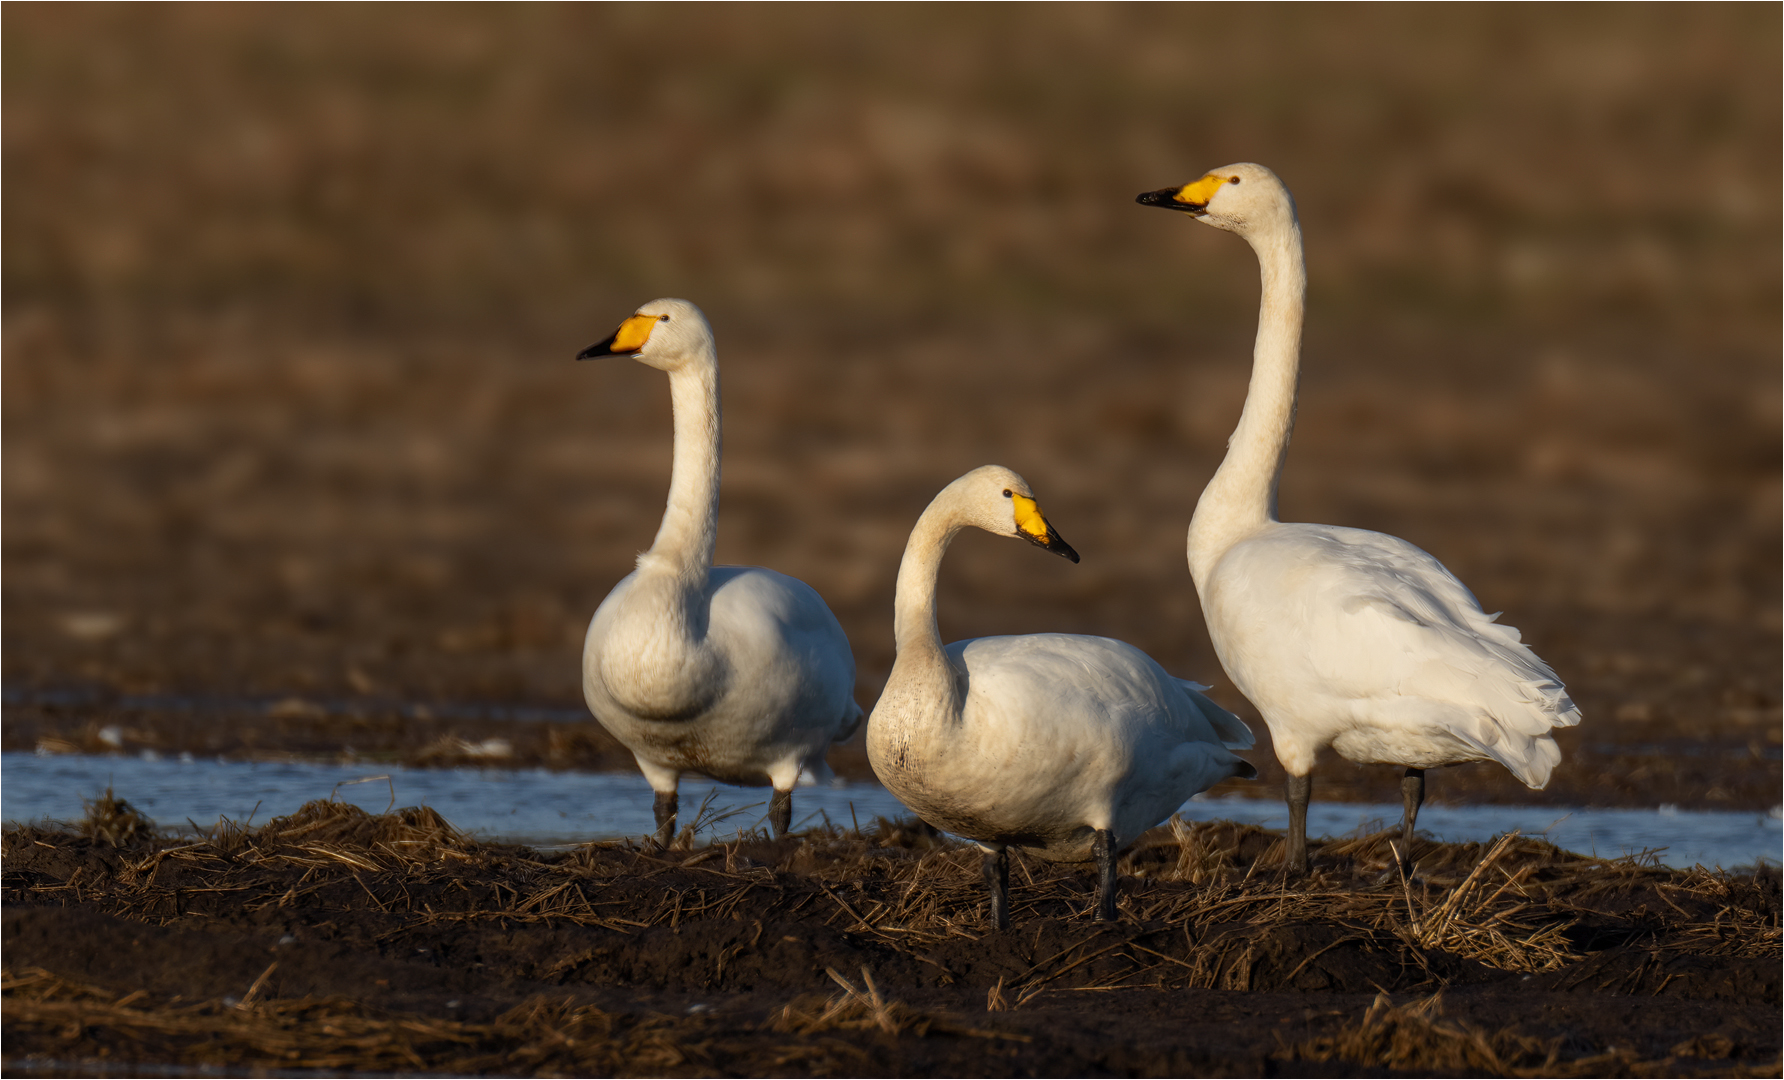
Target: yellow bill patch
(633, 333)
(1029, 519)
(1198, 193)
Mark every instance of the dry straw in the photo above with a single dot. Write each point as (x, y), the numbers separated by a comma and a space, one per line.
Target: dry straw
(1204, 905)
(1416, 1038)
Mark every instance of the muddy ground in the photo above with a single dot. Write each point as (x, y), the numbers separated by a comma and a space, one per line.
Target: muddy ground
(336, 941)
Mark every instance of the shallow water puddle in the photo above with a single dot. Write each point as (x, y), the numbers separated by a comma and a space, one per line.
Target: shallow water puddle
(535, 806)
(541, 807)
(1690, 837)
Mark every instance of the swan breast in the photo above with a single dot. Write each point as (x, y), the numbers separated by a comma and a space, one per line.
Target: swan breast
(771, 667)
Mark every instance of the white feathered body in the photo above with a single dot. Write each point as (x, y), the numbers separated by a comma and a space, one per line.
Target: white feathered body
(1342, 637)
(1047, 737)
(735, 672)
(754, 696)
(1362, 642)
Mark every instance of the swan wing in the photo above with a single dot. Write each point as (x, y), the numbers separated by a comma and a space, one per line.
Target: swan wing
(1087, 702)
(1384, 624)
(1073, 728)
(782, 642)
(1062, 681)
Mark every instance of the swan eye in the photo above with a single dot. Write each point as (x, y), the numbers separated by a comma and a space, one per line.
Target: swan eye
(1233, 180)
(665, 318)
(1006, 493)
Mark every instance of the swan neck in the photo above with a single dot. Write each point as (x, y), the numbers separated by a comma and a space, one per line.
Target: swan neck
(685, 540)
(916, 635)
(1241, 499)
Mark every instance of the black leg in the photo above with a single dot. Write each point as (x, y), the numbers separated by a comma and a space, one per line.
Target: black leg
(665, 808)
(780, 812)
(997, 879)
(1300, 790)
(1104, 849)
(1412, 794)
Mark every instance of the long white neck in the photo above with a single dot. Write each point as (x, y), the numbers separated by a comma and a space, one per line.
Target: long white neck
(656, 663)
(915, 633)
(1241, 499)
(921, 703)
(684, 544)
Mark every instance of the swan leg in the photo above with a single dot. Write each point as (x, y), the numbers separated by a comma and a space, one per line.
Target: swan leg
(665, 806)
(780, 812)
(1103, 847)
(1300, 790)
(1412, 794)
(996, 868)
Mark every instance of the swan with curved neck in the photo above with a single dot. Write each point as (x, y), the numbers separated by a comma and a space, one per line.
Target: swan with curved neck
(1067, 745)
(1342, 638)
(733, 672)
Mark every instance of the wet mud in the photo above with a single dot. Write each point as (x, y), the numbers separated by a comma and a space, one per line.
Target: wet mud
(337, 940)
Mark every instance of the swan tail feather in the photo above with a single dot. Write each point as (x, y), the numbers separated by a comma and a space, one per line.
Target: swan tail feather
(1532, 761)
(1233, 732)
(1506, 700)
(851, 722)
(816, 772)
(1514, 726)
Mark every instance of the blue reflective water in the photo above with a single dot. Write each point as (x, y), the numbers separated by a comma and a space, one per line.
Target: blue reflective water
(1689, 837)
(543, 807)
(531, 805)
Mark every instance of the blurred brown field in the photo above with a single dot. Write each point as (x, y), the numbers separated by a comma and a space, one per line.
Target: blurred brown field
(291, 292)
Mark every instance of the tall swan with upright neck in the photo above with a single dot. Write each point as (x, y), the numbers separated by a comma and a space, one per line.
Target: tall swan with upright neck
(733, 672)
(1343, 638)
(1067, 745)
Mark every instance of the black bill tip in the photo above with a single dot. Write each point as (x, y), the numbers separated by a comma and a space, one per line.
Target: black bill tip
(1166, 198)
(1054, 543)
(600, 348)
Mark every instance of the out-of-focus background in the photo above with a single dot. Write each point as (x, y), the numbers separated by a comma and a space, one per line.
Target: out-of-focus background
(291, 295)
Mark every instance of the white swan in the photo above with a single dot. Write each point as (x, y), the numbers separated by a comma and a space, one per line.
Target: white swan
(1343, 637)
(1067, 745)
(734, 672)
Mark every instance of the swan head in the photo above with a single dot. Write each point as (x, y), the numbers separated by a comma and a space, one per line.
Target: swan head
(665, 334)
(999, 501)
(1245, 198)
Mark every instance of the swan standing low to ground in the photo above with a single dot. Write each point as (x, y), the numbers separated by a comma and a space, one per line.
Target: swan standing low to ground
(1067, 745)
(1343, 637)
(733, 672)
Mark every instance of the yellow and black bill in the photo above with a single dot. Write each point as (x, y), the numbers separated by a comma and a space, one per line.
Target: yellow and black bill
(1032, 526)
(1190, 198)
(626, 341)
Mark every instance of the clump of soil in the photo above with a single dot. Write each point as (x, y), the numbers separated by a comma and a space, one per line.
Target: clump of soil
(334, 939)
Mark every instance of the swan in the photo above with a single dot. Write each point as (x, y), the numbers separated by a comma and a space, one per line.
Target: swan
(734, 672)
(1343, 638)
(1070, 746)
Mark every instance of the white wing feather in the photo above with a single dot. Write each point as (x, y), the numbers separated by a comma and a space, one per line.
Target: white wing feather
(1382, 634)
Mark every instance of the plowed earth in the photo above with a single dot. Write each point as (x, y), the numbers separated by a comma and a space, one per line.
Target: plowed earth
(332, 940)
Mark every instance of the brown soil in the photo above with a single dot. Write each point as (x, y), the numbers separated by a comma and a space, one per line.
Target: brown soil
(338, 941)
